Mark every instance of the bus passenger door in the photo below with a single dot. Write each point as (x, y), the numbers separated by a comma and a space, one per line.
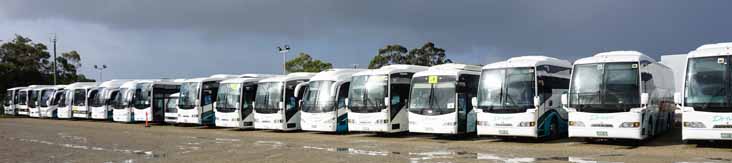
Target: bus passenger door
(462, 112)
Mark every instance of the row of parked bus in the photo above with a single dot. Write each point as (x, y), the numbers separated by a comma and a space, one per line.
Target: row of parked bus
(611, 95)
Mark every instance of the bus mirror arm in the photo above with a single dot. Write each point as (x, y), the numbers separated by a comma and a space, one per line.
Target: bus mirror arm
(677, 98)
(386, 101)
(537, 101)
(565, 101)
(345, 101)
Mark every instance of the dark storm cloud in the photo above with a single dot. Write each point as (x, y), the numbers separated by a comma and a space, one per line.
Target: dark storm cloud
(213, 34)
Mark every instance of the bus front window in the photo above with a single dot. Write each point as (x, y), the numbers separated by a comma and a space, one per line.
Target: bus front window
(434, 96)
(269, 95)
(228, 97)
(120, 102)
(79, 97)
(141, 96)
(8, 99)
(708, 84)
(33, 97)
(367, 93)
(188, 95)
(605, 87)
(319, 98)
(46, 95)
(506, 90)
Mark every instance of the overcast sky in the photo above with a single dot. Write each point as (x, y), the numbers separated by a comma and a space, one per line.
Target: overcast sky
(182, 39)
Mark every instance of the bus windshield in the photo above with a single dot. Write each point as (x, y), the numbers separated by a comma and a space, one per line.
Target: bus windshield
(23, 98)
(269, 95)
(120, 101)
(97, 97)
(605, 87)
(46, 95)
(79, 97)
(172, 105)
(708, 80)
(319, 98)
(141, 96)
(367, 93)
(8, 98)
(509, 90)
(33, 96)
(228, 96)
(188, 95)
(59, 99)
(433, 95)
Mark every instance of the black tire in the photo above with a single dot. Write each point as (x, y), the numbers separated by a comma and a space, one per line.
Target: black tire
(554, 131)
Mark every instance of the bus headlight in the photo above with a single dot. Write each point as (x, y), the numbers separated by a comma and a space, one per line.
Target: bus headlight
(527, 124)
(576, 123)
(450, 124)
(694, 125)
(483, 123)
(350, 121)
(630, 125)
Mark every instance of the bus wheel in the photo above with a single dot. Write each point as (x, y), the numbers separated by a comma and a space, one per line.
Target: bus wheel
(554, 130)
(588, 140)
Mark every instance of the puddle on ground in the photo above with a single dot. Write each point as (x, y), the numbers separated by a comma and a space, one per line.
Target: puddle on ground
(351, 151)
(146, 154)
(273, 144)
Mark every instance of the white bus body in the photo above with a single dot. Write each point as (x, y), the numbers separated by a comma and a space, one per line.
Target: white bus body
(149, 99)
(121, 105)
(65, 109)
(34, 100)
(11, 100)
(377, 99)
(80, 99)
(235, 101)
(619, 95)
(521, 97)
(48, 100)
(440, 99)
(705, 100)
(274, 111)
(100, 103)
(195, 105)
(323, 104)
(24, 100)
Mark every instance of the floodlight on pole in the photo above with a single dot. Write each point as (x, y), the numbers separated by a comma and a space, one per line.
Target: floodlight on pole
(100, 69)
(283, 50)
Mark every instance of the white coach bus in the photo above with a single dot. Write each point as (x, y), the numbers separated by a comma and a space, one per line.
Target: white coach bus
(149, 99)
(171, 110)
(101, 108)
(48, 100)
(195, 104)
(705, 99)
(276, 105)
(235, 101)
(324, 102)
(122, 104)
(440, 99)
(12, 100)
(24, 96)
(522, 97)
(377, 99)
(619, 95)
(80, 97)
(34, 100)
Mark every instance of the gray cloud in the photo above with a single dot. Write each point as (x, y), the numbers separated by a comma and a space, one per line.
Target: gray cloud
(205, 37)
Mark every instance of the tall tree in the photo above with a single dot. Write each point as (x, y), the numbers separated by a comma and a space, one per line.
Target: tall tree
(427, 55)
(391, 54)
(304, 63)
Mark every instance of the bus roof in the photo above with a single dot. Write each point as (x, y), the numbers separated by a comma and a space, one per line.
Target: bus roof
(450, 69)
(529, 61)
(252, 78)
(390, 69)
(288, 77)
(82, 85)
(615, 56)
(257, 75)
(709, 50)
(16, 88)
(211, 78)
(336, 74)
(112, 83)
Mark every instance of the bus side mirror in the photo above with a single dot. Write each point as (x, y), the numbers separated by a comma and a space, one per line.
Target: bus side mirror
(564, 100)
(198, 102)
(474, 102)
(346, 102)
(644, 99)
(387, 102)
(281, 105)
(299, 103)
(537, 101)
(677, 98)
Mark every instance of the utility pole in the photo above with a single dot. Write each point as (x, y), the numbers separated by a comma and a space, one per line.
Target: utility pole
(100, 68)
(53, 40)
(283, 51)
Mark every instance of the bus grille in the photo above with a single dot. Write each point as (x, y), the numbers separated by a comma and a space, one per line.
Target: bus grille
(503, 124)
(602, 125)
(722, 126)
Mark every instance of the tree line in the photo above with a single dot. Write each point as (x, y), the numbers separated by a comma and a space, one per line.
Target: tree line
(24, 62)
(426, 55)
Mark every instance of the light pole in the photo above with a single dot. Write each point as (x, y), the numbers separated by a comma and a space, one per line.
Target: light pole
(283, 51)
(53, 40)
(100, 68)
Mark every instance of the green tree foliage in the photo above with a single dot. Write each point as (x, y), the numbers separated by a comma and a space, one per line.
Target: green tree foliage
(23, 62)
(305, 63)
(427, 55)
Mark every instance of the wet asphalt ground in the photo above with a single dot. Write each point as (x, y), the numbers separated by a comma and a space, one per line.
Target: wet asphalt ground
(47, 140)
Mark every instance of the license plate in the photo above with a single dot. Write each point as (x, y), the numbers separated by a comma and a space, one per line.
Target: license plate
(503, 132)
(726, 135)
(602, 133)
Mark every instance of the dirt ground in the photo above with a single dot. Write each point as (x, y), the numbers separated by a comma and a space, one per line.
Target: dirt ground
(47, 140)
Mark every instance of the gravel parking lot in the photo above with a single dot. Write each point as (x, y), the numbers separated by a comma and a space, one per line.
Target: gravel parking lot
(46, 140)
